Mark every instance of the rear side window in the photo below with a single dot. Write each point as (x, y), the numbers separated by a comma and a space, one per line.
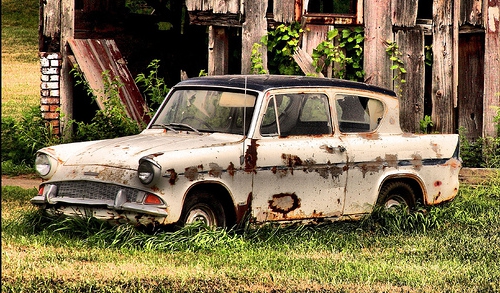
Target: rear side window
(297, 114)
(358, 114)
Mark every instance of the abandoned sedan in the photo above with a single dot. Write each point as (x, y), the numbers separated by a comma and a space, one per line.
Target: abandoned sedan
(258, 148)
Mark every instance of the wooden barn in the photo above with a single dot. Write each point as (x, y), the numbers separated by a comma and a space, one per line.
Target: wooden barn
(460, 87)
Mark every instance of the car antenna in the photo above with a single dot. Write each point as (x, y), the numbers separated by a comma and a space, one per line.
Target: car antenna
(242, 157)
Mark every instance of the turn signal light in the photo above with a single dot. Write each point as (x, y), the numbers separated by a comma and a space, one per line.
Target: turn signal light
(152, 199)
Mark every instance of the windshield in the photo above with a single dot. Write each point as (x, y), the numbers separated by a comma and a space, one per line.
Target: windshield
(207, 110)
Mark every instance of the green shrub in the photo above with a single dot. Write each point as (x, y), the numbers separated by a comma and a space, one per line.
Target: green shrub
(21, 139)
(281, 45)
(111, 121)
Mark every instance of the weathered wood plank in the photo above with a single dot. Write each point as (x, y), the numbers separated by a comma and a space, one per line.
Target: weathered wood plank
(470, 93)
(218, 50)
(411, 94)
(442, 68)
(491, 66)
(305, 61)
(66, 81)
(471, 12)
(283, 11)
(378, 30)
(253, 29)
(51, 26)
(404, 12)
(216, 6)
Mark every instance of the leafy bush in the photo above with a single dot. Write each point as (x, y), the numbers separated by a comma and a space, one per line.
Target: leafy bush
(344, 50)
(111, 121)
(281, 45)
(153, 87)
(20, 140)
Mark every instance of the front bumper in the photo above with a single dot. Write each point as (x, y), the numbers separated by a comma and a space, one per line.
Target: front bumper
(108, 202)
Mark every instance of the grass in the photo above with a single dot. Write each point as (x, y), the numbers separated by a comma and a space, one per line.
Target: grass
(20, 63)
(451, 248)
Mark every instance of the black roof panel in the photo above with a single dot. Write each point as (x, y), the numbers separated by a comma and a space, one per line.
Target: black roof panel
(264, 82)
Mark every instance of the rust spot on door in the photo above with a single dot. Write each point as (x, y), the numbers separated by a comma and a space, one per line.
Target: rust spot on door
(243, 209)
(284, 203)
(251, 157)
(291, 160)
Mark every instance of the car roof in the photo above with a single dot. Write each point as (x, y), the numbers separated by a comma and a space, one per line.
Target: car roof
(263, 82)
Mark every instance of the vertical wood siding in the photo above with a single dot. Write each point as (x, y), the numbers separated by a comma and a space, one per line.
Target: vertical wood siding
(411, 94)
(378, 30)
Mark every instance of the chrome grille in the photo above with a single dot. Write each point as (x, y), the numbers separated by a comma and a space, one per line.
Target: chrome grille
(93, 190)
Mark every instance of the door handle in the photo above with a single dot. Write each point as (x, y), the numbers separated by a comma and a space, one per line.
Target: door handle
(339, 148)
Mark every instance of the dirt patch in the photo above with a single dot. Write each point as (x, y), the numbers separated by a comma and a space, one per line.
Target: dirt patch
(23, 181)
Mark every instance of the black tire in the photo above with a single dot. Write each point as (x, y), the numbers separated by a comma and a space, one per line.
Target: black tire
(205, 208)
(396, 194)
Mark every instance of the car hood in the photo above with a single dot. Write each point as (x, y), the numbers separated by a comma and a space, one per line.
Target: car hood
(125, 152)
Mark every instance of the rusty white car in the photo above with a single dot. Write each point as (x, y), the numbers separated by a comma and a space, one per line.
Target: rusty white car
(260, 148)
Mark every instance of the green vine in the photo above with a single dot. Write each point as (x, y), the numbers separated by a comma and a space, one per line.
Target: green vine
(257, 62)
(392, 49)
(281, 45)
(344, 50)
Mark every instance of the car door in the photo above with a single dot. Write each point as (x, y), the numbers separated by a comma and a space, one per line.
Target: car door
(300, 169)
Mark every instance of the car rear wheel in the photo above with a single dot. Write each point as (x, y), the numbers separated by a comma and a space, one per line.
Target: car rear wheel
(203, 207)
(397, 194)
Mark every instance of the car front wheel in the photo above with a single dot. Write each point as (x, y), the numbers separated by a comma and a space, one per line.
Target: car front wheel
(203, 207)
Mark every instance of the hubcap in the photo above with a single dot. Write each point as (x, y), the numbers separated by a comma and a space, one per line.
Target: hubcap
(201, 215)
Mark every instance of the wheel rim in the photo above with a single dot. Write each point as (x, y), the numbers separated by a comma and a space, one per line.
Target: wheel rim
(395, 202)
(201, 214)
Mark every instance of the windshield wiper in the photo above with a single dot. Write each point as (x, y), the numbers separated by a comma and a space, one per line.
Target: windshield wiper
(185, 126)
(166, 126)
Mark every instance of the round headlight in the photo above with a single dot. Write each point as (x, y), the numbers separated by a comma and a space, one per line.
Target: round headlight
(42, 164)
(146, 172)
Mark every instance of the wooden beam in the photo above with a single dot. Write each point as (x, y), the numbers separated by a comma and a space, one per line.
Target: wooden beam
(66, 80)
(254, 28)
(411, 94)
(378, 31)
(491, 67)
(442, 67)
(218, 52)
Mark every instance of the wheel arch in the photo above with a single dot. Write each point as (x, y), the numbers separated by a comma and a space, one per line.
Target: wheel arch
(413, 180)
(221, 193)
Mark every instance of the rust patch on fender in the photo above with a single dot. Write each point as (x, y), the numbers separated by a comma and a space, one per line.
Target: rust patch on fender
(230, 169)
(191, 173)
(372, 167)
(251, 157)
(453, 163)
(436, 149)
(173, 176)
(215, 170)
(392, 160)
(417, 162)
(284, 203)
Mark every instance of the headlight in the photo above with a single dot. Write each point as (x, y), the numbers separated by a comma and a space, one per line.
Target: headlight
(42, 164)
(148, 171)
